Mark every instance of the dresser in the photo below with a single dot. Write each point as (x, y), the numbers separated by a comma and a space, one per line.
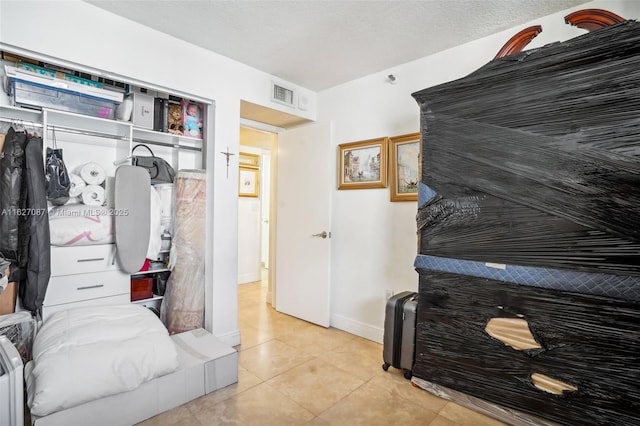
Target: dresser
(85, 276)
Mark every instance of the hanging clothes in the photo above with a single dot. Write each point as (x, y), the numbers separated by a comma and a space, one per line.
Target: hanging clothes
(11, 171)
(35, 238)
(24, 221)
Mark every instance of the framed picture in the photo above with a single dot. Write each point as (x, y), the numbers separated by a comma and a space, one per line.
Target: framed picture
(249, 160)
(363, 164)
(248, 181)
(404, 156)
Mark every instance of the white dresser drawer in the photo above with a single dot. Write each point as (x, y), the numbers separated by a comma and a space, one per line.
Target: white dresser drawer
(83, 259)
(121, 299)
(75, 288)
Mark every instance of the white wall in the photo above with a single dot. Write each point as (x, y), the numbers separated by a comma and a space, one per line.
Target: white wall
(84, 34)
(374, 240)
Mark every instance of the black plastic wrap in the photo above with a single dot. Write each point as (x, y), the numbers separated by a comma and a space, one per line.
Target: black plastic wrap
(535, 157)
(486, 228)
(588, 341)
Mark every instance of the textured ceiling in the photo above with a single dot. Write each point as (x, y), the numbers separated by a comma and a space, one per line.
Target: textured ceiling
(319, 44)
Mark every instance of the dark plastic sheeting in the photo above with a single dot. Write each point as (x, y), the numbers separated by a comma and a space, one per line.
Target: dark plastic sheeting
(588, 341)
(534, 157)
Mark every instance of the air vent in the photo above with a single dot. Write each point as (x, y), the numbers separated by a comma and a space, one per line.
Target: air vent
(282, 94)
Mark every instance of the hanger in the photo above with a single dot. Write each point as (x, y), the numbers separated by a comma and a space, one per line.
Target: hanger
(19, 126)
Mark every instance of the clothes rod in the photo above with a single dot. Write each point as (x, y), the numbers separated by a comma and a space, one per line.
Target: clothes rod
(64, 129)
(170, 145)
(18, 122)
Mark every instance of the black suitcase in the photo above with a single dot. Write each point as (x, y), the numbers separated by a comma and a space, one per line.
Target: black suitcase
(398, 349)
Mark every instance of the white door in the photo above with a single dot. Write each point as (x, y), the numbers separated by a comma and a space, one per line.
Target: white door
(303, 222)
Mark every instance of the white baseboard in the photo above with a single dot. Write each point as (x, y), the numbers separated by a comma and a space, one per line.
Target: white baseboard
(249, 277)
(358, 328)
(231, 338)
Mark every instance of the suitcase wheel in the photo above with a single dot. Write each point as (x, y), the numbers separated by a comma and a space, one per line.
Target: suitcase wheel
(385, 366)
(407, 374)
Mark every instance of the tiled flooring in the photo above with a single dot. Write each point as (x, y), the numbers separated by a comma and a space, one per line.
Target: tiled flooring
(296, 373)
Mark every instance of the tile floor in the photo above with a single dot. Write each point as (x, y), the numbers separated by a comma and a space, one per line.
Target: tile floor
(295, 373)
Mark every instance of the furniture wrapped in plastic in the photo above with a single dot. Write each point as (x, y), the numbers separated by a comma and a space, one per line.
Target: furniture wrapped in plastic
(183, 305)
(533, 158)
(529, 224)
(588, 343)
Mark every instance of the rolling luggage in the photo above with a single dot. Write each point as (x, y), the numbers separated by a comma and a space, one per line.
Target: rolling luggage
(400, 332)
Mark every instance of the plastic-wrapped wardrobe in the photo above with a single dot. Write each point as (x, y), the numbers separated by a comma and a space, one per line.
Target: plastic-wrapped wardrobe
(183, 306)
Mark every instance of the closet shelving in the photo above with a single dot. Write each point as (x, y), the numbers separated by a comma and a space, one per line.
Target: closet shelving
(110, 140)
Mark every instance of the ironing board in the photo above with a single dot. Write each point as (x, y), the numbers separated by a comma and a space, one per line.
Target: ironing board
(132, 213)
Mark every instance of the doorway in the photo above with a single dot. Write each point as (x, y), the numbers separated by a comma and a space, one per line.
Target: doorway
(254, 206)
(261, 122)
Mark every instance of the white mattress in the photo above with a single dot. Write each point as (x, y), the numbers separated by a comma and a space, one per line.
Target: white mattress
(84, 354)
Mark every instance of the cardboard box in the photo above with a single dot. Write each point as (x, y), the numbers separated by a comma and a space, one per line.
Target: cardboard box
(8, 299)
(209, 364)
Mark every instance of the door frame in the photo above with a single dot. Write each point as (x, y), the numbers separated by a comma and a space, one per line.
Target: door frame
(271, 277)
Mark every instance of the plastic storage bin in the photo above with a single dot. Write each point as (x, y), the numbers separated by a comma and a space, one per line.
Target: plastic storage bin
(35, 95)
(36, 90)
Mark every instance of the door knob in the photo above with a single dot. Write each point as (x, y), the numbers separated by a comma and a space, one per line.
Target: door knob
(322, 234)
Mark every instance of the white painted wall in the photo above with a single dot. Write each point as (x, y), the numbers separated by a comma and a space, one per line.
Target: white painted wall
(84, 34)
(374, 240)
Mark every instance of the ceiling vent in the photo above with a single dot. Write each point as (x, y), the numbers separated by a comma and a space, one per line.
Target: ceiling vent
(282, 95)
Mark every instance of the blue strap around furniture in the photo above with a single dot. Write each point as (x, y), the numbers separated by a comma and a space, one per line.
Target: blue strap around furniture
(615, 286)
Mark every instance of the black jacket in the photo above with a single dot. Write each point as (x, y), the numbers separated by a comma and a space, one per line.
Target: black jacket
(24, 222)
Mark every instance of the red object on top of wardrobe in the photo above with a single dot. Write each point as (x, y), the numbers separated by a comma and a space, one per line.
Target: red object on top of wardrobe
(592, 19)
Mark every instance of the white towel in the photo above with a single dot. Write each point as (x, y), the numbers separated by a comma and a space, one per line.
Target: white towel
(93, 195)
(77, 185)
(93, 174)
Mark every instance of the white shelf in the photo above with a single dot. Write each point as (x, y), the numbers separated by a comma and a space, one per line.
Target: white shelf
(142, 135)
(21, 116)
(151, 271)
(88, 125)
(155, 297)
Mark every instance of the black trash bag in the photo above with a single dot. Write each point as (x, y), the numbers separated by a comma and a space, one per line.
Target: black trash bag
(58, 181)
(159, 170)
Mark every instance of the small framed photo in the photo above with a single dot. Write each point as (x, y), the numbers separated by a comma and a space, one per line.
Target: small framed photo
(249, 160)
(404, 156)
(363, 164)
(248, 184)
